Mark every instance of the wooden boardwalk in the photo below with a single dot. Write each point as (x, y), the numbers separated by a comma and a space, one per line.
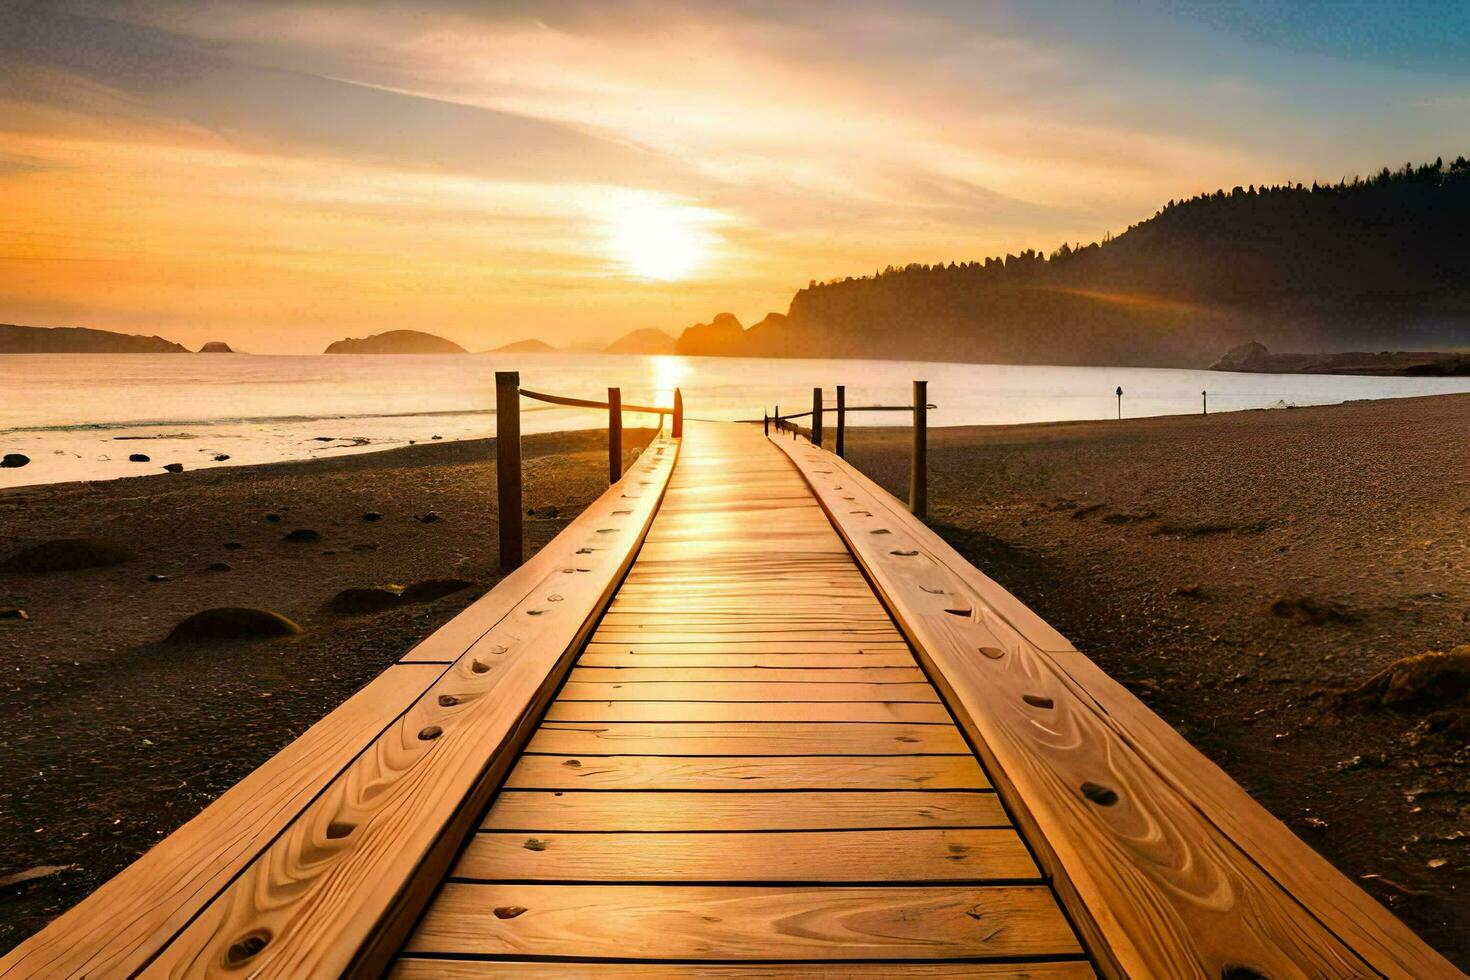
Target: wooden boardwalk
(745, 717)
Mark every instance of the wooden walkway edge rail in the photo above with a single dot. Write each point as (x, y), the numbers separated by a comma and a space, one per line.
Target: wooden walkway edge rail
(746, 716)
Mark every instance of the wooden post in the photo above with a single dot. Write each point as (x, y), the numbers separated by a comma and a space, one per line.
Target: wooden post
(508, 468)
(614, 435)
(678, 414)
(765, 424)
(816, 416)
(1120, 403)
(777, 414)
(919, 474)
(1205, 398)
(841, 420)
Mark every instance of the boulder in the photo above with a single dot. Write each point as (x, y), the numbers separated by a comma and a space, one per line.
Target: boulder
(232, 623)
(221, 457)
(355, 602)
(360, 601)
(174, 467)
(434, 588)
(68, 554)
(14, 461)
(1423, 681)
(139, 458)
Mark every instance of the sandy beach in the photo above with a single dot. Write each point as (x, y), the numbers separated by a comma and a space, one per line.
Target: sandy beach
(110, 739)
(1237, 573)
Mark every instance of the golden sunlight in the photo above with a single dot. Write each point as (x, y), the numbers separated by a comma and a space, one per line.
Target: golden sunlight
(654, 238)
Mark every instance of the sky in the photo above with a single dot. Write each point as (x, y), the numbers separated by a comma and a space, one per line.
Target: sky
(278, 175)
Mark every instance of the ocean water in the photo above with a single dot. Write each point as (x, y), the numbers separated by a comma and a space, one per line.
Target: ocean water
(79, 416)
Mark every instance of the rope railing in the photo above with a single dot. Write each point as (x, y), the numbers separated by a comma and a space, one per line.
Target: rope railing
(919, 468)
(510, 520)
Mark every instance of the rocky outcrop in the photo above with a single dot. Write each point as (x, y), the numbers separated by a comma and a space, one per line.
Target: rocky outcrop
(1246, 357)
(722, 336)
(396, 342)
(649, 340)
(527, 346)
(16, 339)
(216, 347)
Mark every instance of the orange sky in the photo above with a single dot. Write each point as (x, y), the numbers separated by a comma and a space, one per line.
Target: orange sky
(278, 175)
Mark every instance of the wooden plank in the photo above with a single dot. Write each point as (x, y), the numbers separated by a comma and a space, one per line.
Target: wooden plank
(1169, 867)
(338, 888)
(120, 925)
(725, 675)
(807, 856)
(745, 738)
(824, 711)
(756, 646)
(438, 968)
(702, 922)
(624, 658)
(611, 811)
(769, 691)
(928, 772)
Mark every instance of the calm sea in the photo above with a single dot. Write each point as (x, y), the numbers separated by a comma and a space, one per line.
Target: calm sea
(80, 416)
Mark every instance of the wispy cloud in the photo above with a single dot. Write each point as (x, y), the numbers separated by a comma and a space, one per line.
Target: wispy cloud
(284, 171)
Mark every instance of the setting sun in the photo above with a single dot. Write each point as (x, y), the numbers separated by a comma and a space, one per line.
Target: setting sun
(653, 238)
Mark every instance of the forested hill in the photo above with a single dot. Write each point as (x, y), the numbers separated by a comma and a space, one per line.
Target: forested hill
(1376, 263)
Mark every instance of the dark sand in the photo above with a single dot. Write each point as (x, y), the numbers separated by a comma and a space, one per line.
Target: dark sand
(1095, 525)
(109, 740)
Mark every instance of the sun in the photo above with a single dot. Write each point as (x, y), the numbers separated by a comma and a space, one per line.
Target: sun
(654, 238)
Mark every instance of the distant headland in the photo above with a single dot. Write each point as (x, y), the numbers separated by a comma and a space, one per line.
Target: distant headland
(16, 339)
(396, 342)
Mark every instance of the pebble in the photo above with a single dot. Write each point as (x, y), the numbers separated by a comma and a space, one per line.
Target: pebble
(14, 461)
(11, 612)
(219, 566)
(371, 516)
(303, 534)
(158, 578)
(221, 457)
(430, 518)
(273, 518)
(139, 458)
(234, 545)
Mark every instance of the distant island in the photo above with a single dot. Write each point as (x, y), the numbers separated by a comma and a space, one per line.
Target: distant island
(524, 347)
(649, 340)
(217, 347)
(396, 342)
(1256, 358)
(15, 339)
(1381, 263)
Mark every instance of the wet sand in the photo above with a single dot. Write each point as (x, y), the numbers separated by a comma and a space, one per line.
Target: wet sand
(110, 739)
(1159, 546)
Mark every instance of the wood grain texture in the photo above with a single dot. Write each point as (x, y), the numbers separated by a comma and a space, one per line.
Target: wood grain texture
(745, 738)
(759, 675)
(928, 772)
(332, 891)
(120, 925)
(410, 968)
(931, 713)
(539, 811)
(825, 856)
(734, 923)
(730, 691)
(1171, 868)
(897, 658)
